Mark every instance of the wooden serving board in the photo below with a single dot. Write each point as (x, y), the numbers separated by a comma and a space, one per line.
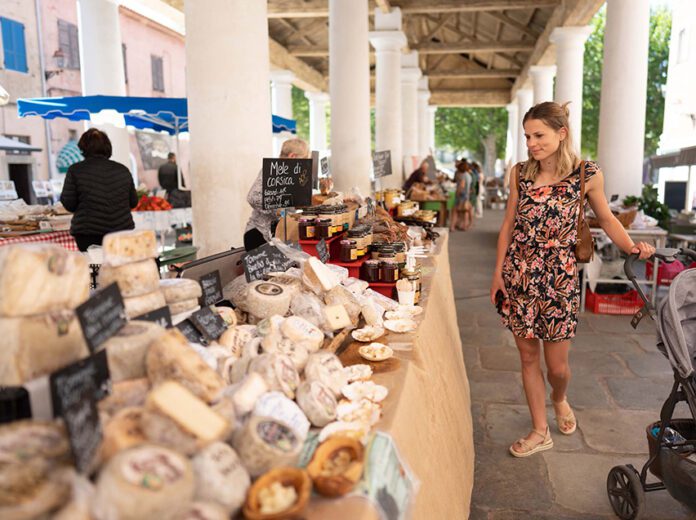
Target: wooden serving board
(351, 356)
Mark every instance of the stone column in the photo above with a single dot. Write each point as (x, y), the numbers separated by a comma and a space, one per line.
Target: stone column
(432, 109)
(524, 103)
(622, 106)
(281, 102)
(542, 80)
(317, 119)
(570, 50)
(423, 119)
(388, 40)
(349, 80)
(102, 72)
(512, 134)
(410, 74)
(230, 119)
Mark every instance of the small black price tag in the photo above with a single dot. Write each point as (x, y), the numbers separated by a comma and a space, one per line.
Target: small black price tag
(94, 367)
(381, 164)
(212, 288)
(161, 316)
(102, 316)
(187, 329)
(209, 323)
(323, 251)
(263, 260)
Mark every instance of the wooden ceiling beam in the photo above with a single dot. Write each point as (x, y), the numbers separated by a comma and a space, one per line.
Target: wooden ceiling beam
(472, 73)
(476, 46)
(470, 97)
(524, 29)
(306, 76)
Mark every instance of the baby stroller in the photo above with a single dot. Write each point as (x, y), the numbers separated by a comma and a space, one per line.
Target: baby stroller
(672, 442)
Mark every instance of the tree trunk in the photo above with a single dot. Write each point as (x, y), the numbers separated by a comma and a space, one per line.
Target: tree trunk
(489, 155)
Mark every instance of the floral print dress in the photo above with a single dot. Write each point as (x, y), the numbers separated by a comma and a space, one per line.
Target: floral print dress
(539, 271)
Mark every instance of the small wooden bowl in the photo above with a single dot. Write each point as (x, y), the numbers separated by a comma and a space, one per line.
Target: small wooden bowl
(337, 485)
(295, 477)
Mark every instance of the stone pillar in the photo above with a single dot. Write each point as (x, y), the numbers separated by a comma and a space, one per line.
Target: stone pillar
(512, 134)
(102, 72)
(388, 40)
(349, 80)
(281, 102)
(622, 106)
(423, 119)
(410, 74)
(230, 120)
(524, 103)
(570, 50)
(542, 80)
(432, 109)
(317, 119)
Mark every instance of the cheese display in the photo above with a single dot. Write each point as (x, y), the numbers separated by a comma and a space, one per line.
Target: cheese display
(276, 406)
(339, 295)
(220, 477)
(317, 402)
(133, 279)
(176, 418)
(123, 431)
(248, 392)
(171, 358)
(264, 299)
(278, 371)
(127, 350)
(145, 482)
(139, 305)
(234, 338)
(125, 394)
(372, 312)
(297, 352)
(38, 345)
(298, 330)
(37, 496)
(326, 368)
(265, 443)
(183, 306)
(365, 390)
(337, 317)
(41, 278)
(124, 247)
(319, 276)
(179, 289)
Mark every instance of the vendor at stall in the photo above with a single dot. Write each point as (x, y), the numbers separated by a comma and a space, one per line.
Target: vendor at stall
(262, 223)
(419, 175)
(99, 192)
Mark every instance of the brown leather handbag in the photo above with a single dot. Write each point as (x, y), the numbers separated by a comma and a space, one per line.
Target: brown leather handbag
(584, 247)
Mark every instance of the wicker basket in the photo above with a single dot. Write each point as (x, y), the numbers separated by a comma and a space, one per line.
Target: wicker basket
(336, 485)
(287, 476)
(625, 217)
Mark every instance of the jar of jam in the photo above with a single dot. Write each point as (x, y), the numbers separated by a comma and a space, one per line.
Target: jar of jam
(400, 251)
(389, 270)
(355, 234)
(386, 252)
(414, 276)
(323, 228)
(307, 229)
(349, 251)
(369, 271)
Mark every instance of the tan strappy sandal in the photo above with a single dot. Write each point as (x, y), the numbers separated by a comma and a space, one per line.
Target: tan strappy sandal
(567, 424)
(528, 448)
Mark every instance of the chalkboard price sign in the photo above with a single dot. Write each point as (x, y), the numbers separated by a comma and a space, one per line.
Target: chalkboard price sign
(192, 334)
(101, 316)
(210, 324)
(324, 166)
(212, 288)
(94, 368)
(263, 260)
(381, 164)
(161, 316)
(286, 183)
(323, 251)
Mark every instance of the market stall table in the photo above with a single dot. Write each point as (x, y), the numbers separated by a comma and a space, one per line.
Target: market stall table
(61, 238)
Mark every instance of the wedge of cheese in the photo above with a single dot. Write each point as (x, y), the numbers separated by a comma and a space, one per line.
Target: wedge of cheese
(125, 247)
(318, 274)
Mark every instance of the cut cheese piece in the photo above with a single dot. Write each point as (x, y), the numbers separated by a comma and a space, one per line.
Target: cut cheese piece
(139, 305)
(124, 394)
(248, 392)
(221, 477)
(127, 350)
(178, 289)
(317, 402)
(356, 286)
(337, 317)
(298, 330)
(125, 247)
(40, 278)
(265, 443)
(38, 345)
(133, 279)
(123, 431)
(145, 482)
(327, 368)
(183, 306)
(339, 295)
(171, 357)
(264, 299)
(319, 274)
(176, 418)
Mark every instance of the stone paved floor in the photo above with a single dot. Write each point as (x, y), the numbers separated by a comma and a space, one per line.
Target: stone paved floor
(619, 383)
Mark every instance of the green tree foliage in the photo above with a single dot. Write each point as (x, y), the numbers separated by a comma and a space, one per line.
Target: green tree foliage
(465, 129)
(300, 112)
(592, 85)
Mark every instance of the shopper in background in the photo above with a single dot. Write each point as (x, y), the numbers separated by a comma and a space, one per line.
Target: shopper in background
(418, 175)
(478, 185)
(262, 224)
(99, 192)
(167, 174)
(463, 207)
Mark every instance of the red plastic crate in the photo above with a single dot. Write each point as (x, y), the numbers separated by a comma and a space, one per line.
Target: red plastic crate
(665, 272)
(353, 267)
(623, 304)
(333, 243)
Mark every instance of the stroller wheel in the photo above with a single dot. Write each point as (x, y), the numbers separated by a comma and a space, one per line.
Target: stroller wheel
(626, 492)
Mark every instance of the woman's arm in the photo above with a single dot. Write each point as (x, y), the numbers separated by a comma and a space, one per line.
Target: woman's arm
(505, 235)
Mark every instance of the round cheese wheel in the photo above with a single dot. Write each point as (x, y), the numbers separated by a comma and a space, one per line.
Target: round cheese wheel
(124, 247)
(279, 407)
(317, 402)
(234, 338)
(140, 305)
(278, 371)
(38, 497)
(297, 352)
(265, 443)
(299, 330)
(126, 351)
(179, 289)
(221, 477)
(145, 482)
(228, 315)
(327, 368)
(264, 299)
(133, 279)
(183, 306)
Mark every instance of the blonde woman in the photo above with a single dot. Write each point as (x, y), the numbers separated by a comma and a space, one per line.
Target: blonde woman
(535, 285)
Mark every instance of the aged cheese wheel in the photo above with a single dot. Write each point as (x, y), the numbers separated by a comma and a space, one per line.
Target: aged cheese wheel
(123, 431)
(127, 350)
(125, 247)
(171, 357)
(234, 338)
(317, 402)
(183, 306)
(38, 345)
(220, 477)
(265, 443)
(264, 299)
(204, 511)
(38, 497)
(279, 407)
(124, 394)
(139, 305)
(145, 482)
(278, 371)
(179, 289)
(327, 368)
(133, 279)
(40, 278)
(302, 331)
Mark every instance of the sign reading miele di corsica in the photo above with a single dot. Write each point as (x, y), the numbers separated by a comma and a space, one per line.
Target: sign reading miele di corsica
(287, 183)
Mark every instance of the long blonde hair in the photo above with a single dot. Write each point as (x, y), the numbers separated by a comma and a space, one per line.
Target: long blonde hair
(554, 116)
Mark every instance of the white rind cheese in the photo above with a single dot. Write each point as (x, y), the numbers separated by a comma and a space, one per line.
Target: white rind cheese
(125, 247)
(299, 330)
(319, 275)
(337, 317)
(279, 407)
(278, 371)
(317, 402)
(220, 477)
(264, 299)
(183, 306)
(326, 368)
(133, 279)
(139, 305)
(265, 443)
(178, 289)
(248, 392)
(127, 350)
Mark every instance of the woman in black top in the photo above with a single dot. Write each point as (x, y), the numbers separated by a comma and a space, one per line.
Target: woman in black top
(100, 192)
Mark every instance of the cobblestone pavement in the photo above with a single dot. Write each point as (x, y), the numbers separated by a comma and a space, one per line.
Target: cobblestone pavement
(619, 382)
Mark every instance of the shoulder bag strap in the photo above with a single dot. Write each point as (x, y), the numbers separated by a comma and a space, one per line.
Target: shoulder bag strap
(581, 214)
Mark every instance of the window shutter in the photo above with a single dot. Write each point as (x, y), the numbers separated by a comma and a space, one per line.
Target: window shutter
(13, 45)
(74, 48)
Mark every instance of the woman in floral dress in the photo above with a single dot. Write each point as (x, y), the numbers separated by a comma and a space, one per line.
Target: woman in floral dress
(535, 285)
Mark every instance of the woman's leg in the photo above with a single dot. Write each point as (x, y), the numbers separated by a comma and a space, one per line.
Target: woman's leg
(558, 372)
(533, 382)
(453, 219)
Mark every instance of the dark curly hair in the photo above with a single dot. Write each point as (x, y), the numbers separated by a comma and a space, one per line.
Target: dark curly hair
(93, 143)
